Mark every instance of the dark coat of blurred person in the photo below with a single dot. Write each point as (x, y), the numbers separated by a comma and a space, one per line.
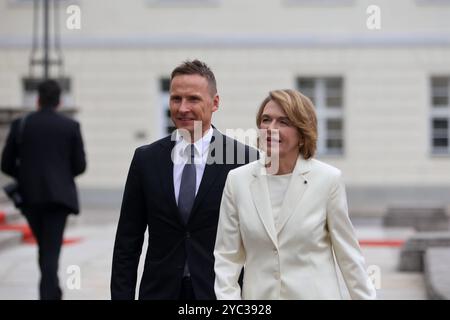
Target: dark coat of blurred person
(44, 152)
(181, 215)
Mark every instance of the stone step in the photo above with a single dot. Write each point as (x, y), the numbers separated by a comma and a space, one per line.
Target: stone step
(437, 277)
(420, 218)
(413, 251)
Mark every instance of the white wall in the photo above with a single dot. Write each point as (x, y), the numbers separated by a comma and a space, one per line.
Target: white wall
(386, 87)
(137, 17)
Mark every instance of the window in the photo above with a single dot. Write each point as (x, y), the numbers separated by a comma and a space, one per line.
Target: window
(167, 126)
(327, 95)
(440, 115)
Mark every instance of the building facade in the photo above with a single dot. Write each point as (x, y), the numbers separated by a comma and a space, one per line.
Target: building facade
(382, 95)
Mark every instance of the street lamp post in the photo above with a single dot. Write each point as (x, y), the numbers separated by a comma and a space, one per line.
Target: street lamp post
(46, 62)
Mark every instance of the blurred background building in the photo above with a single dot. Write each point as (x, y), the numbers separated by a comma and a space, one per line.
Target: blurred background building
(382, 95)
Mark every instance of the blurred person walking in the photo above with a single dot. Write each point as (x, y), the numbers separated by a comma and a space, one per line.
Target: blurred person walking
(44, 152)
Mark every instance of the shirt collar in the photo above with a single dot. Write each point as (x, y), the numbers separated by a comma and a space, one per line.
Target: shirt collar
(201, 145)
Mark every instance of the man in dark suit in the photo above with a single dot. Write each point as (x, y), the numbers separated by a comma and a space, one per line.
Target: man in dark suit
(44, 152)
(174, 188)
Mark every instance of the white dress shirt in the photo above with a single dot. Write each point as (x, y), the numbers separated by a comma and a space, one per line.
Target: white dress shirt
(201, 147)
(278, 186)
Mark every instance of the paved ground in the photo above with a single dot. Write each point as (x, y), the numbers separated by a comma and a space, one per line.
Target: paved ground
(393, 284)
(93, 253)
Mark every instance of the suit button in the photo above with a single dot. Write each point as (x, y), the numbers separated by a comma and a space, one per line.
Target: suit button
(188, 235)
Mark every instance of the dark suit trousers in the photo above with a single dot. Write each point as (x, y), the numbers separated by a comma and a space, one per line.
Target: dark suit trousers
(48, 228)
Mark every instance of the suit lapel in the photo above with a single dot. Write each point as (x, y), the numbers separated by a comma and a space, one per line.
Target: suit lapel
(208, 179)
(261, 199)
(212, 170)
(296, 189)
(166, 175)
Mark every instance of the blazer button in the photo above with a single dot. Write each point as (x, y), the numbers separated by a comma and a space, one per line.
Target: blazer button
(188, 235)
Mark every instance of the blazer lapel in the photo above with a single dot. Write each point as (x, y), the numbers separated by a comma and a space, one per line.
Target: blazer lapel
(261, 199)
(166, 175)
(296, 189)
(208, 179)
(211, 171)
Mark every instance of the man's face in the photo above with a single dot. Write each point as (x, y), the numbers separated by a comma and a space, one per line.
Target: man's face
(191, 100)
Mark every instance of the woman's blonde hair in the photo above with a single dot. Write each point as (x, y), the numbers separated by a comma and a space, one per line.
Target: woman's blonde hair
(300, 111)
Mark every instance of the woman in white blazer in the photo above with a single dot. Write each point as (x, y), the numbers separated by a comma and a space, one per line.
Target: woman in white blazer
(284, 218)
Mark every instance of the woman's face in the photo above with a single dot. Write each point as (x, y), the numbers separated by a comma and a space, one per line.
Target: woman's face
(278, 134)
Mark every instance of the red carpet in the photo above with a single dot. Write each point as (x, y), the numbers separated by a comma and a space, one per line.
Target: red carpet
(381, 243)
(27, 234)
(66, 241)
(23, 228)
(28, 237)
